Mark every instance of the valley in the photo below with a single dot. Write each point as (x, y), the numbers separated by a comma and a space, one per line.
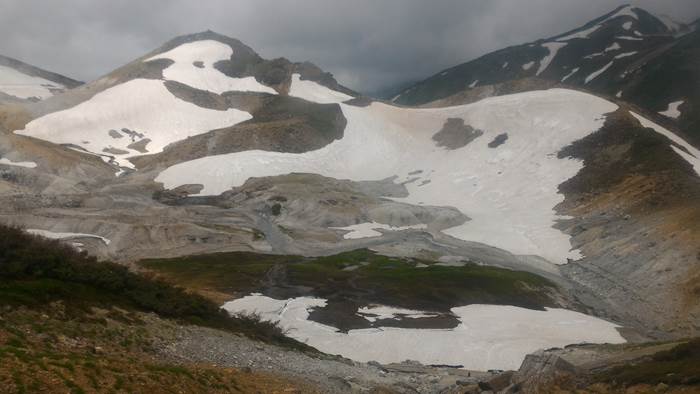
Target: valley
(523, 222)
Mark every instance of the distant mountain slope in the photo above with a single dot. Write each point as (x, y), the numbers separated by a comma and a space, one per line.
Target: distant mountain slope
(668, 82)
(189, 87)
(629, 53)
(20, 80)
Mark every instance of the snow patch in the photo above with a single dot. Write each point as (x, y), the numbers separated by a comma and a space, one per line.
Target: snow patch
(672, 111)
(528, 66)
(627, 25)
(312, 91)
(488, 336)
(552, 48)
(626, 54)
(207, 77)
(139, 109)
(567, 76)
(473, 84)
(54, 235)
(597, 73)
(629, 38)
(368, 230)
(504, 65)
(25, 164)
(613, 47)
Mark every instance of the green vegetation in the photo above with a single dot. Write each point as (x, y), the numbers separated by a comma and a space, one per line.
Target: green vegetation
(104, 351)
(675, 367)
(36, 271)
(360, 275)
(219, 275)
(400, 282)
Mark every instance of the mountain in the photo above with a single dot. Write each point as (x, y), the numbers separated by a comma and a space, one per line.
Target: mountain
(629, 53)
(330, 213)
(19, 80)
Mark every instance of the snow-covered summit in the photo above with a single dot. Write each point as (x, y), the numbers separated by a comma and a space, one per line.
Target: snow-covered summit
(599, 54)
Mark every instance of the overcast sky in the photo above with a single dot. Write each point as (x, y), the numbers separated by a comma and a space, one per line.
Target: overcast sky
(367, 44)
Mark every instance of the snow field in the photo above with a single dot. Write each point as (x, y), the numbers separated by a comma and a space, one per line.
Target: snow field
(488, 336)
(143, 106)
(508, 192)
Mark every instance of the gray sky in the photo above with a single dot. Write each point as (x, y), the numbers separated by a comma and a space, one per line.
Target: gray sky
(367, 44)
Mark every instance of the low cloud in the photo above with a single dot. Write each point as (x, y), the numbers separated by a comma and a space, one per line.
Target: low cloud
(367, 44)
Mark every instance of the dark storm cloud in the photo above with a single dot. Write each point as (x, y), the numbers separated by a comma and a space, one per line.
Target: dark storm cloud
(367, 44)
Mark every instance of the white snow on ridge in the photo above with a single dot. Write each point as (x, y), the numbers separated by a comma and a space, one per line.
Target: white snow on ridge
(314, 92)
(692, 155)
(208, 52)
(53, 235)
(368, 230)
(567, 76)
(626, 54)
(625, 11)
(140, 105)
(613, 47)
(580, 34)
(597, 73)
(508, 192)
(672, 111)
(629, 38)
(488, 336)
(18, 84)
(553, 48)
(25, 164)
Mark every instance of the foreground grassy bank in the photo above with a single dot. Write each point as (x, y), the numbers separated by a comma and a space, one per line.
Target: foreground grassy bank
(70, 323)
